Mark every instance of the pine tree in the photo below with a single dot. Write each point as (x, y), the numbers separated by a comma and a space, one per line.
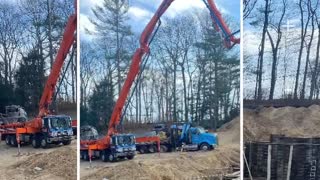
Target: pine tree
(113, 32)
(101, 104)
(30, 80)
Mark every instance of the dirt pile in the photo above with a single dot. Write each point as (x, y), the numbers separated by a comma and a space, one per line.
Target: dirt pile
(61, 163)
(229, 133)
(171, 165)
(289, 121)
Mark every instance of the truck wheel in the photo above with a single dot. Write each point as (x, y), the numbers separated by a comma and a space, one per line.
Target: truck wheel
(163, 148)
(111, 157)
(142, 149)
(44, 143)
(86, 156)
(66, 142)
(130, 157)
(104, 156)
(13, 141)
(204, 147)
(152, 149)
(35, 142)
(81, 155)
(8, 140)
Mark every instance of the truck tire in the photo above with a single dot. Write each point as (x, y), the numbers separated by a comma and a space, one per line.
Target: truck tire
(86, 156)
(163, 148)
(111, 157)
(130, 157)
(8, 140)
(66, 142)
(152, 149)
(104, 156)
(81, 155)
(44, 142)
(204, 147)
(13, 141)
(142, 150)
(35, 142)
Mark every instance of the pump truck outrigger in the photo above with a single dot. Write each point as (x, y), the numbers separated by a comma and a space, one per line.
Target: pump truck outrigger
(46, 128)
(110, 148)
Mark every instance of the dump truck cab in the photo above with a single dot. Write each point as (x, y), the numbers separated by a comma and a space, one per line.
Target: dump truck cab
(203, 139)
(197, 138)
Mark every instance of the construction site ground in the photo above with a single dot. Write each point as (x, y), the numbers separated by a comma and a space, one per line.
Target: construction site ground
(55, 163)
(173, 165)
(260, 123)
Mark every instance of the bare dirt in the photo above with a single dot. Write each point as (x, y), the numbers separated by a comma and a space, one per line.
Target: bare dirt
(56, 163)
(174, 165)
(259, 124)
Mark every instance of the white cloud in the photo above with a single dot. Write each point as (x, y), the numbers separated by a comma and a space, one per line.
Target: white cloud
(139, 13)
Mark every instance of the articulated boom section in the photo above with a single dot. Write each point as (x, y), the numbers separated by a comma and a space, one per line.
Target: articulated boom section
(219, 24)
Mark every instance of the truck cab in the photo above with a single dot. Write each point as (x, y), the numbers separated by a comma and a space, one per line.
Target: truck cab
(197, 138)
(122, 146)
(56, 129)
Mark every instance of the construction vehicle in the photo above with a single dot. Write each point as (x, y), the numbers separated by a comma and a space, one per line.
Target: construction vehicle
(177, 137)
(110, 147)
(46, 128)
(13, 113)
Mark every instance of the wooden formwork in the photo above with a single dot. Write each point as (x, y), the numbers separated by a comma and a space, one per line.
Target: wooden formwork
(284, 158)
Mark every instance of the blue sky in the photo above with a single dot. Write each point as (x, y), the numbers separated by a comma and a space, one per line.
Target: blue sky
(141, 11)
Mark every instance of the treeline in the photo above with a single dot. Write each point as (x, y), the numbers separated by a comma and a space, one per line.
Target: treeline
(30, 36)
(285, 60)
(189, 76)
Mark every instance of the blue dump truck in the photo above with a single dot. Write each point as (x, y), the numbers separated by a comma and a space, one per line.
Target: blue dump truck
(180, 137)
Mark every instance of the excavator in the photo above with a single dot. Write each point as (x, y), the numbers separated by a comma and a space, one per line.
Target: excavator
(46, 128)
(115, 145)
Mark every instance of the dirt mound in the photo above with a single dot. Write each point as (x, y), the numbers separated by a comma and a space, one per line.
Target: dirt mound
(229, 133)
(289, 121)
(172, 165)
(61, 163)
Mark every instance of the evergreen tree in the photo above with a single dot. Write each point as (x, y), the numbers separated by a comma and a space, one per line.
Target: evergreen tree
(220, 76)
(101, 105)
(113, 32)
(30, 81)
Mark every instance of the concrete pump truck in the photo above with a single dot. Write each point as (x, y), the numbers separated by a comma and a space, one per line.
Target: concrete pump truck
(46, 128)
(115, 145)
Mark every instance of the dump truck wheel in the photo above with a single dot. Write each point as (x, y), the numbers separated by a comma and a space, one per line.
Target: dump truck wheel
(57, 143)
(35, 142)
(66, 142)
(163, 148)
(44, 143)
(8, 140)
(204, 147)
(130, 157)
(142, 150)
(152, 149)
